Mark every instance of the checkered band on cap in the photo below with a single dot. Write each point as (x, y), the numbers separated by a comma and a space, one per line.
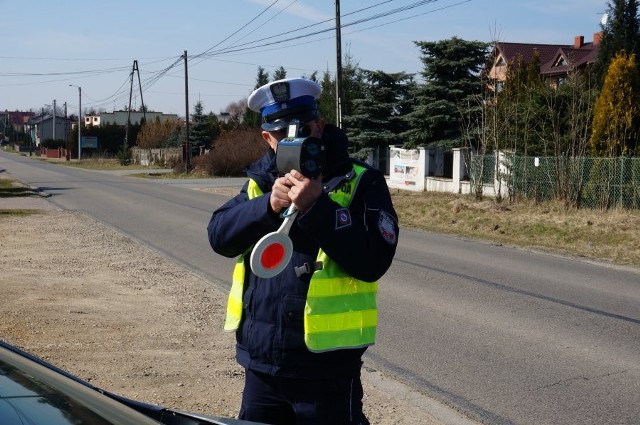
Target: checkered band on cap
(282, 94)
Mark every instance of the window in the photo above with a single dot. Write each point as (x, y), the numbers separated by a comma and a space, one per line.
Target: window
(560, 62)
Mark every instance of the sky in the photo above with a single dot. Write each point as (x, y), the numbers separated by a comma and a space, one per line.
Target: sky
(49, 49)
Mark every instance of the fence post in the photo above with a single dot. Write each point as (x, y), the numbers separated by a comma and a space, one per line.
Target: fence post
(621, 181)
(459, 168)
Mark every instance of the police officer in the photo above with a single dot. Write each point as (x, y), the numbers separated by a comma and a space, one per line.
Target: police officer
(301, 334)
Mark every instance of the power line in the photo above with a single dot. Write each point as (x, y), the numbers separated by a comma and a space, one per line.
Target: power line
(272, 42)
(41, 74)
(268, 20)
(254, 44)
(238, 30)
(303, 27)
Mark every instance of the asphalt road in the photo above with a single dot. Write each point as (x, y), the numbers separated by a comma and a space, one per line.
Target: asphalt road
(503, 335)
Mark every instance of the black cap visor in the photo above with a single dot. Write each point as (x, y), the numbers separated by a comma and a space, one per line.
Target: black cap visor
(280, 120)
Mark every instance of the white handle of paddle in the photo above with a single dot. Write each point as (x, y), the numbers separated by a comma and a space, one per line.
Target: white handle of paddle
(289, 217)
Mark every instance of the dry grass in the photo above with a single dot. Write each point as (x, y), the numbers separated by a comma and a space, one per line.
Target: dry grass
(100, 163)
(612, 236)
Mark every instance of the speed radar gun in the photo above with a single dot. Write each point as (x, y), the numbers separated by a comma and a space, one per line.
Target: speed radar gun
(300, 152)
(307, 155)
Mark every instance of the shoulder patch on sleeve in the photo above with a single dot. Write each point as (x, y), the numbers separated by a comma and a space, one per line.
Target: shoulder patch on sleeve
(387, 228)
(343, 218)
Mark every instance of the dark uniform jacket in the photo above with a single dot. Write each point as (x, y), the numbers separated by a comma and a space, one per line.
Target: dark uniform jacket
(270, 336)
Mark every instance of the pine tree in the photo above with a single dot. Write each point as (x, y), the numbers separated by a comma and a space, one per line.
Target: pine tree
(327, 99)
(451, 79)
(313, 77)
(199, 133)
(353, 84)
(279, 74)
(251, 119)
(616, 122)
(377, 117)
(621, 31)
(262, 78)
(353, 87)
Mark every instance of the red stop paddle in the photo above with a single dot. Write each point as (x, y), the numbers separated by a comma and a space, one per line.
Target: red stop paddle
(273, 251)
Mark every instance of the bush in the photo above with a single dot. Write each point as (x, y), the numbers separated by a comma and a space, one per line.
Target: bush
(232, 153)
(125, 157)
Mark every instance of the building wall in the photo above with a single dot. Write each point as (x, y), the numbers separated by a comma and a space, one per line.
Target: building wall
(42, 131)
(120, 117)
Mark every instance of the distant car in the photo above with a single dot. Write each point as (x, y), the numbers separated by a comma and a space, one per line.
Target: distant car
(35, 392)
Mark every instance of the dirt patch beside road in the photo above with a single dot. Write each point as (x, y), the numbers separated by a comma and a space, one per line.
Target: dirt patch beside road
(113, 312)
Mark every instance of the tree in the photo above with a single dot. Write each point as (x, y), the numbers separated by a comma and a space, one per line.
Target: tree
(517, 112)
(200, 133)
(237, 115)
(279, 74)
(262, 78)
(313, 77)
(616, 122)
(377, 117)
(250, 118)
(7, 128)
(157, 134)
(451, 79)
(620, 31)
(327, 99)
(353, 84)
(214, 126)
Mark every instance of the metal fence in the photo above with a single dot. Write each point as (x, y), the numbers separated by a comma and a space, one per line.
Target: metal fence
(581, 181)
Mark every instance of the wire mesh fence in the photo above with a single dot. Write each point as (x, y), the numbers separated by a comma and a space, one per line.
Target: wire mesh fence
(581, 181)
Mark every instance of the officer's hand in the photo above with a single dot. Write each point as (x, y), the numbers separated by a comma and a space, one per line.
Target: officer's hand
(304, 191)
(279, 198)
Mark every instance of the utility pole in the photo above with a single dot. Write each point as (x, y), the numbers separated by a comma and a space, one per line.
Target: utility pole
(187, 160)
(66, 131)
(79, 120)
(144, 109)
(54, 120)
(126, 135)
(125, 144)
(338, 68)
(41, 130)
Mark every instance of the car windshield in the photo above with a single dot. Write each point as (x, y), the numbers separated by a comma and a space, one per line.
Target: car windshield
(31, 394)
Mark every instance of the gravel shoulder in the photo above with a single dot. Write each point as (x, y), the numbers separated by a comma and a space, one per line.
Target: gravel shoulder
(115, 313)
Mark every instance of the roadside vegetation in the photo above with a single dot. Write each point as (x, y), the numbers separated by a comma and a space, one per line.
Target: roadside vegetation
(102, 163)
(12, 189)
(608, 235)
(612, 236)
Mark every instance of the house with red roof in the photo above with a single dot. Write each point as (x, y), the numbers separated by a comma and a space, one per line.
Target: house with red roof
(14, 122)
(556, 60)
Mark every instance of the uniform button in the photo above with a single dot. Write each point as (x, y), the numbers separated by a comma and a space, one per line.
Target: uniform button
(290, 314)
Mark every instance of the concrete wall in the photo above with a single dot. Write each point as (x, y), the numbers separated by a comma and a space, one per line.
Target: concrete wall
(432, 167)
(148, 157)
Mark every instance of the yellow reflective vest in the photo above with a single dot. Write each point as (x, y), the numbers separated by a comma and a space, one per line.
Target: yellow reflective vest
(340, 311)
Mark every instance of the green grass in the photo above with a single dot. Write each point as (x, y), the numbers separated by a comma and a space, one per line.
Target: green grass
(8, 189)
(104, 164)
(17, 212)
(172, 175)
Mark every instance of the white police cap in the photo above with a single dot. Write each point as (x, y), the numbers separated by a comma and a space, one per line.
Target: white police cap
(284, 100)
